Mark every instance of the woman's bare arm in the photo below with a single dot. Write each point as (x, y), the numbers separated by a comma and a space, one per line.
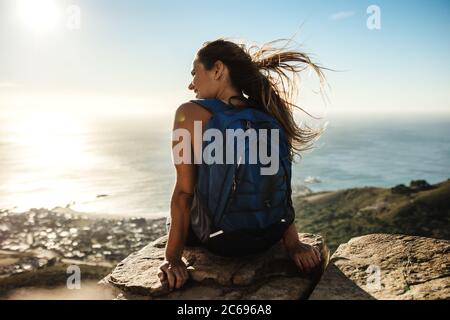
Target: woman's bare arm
(174, 268)
(180, 217)
(290, 238)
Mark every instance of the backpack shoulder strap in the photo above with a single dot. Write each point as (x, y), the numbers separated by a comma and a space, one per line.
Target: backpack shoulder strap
(213, 105)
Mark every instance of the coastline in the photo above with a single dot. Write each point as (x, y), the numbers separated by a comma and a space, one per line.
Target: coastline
(61, 233)
(38, 245)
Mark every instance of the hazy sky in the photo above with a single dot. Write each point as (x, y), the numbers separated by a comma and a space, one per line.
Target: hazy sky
(136, 56)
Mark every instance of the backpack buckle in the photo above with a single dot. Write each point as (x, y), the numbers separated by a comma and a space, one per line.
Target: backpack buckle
(215, 234)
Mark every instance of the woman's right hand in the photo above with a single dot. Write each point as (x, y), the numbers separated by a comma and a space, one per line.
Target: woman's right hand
(305, 256)
(174, 272)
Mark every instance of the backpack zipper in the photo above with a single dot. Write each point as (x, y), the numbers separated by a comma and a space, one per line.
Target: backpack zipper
(231, 195)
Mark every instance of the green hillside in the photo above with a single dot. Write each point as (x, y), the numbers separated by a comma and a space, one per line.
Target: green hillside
(421, 209)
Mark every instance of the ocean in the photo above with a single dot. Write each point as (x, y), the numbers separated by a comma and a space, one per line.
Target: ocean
(122, 166)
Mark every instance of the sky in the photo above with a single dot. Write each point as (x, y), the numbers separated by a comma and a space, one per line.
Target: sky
(132, 57)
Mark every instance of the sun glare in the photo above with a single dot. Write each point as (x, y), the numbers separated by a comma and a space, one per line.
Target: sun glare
(39, 15)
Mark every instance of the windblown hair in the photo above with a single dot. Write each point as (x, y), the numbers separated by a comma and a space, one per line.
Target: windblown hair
(262, 74)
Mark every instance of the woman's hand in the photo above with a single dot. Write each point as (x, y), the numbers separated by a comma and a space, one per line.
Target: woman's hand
(305, 256)
(175, 272)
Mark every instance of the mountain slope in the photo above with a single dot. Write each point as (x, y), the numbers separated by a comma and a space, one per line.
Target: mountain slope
(421, 210)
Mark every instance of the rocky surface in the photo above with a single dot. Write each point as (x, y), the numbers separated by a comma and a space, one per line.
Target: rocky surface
(270, 275)
(383, 266)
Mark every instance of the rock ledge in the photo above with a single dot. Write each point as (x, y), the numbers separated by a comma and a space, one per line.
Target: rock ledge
(270, 275)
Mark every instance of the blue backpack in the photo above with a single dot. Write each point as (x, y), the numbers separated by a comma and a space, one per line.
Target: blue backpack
(235, 197)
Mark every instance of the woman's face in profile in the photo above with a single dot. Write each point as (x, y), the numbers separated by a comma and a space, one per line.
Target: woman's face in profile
(202, 82)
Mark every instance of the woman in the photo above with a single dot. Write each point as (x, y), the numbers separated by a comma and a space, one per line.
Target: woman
(226, 71)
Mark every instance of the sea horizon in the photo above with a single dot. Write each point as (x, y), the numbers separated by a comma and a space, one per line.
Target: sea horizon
(121, 166)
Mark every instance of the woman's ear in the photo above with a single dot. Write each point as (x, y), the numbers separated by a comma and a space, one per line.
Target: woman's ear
(219, 68)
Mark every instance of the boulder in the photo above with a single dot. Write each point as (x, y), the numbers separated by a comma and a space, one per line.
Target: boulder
(269, 275)
(401, 189)
(420, 185)
(385, 266)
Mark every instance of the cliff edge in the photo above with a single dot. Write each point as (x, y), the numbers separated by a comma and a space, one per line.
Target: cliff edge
(270, 275)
